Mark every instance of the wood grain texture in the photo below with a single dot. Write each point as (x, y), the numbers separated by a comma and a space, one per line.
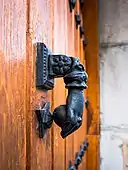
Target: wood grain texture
(80, 134)
(12, 84)
(84, 124)
(90, 16)
(39, 152)
(22, 24)
(59, 94)
(70, 52)
(93, 153)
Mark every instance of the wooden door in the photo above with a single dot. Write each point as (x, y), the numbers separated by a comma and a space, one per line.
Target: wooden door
(13, 97)
(22, 24)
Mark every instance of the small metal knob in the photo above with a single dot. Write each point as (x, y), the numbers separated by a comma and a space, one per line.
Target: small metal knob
(77, 19)
(72, 4)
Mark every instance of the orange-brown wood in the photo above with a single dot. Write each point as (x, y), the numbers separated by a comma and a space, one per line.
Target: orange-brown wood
(59, 96)
(13, 84)
(90, 17)
(84, 124)
(39, 155)
(22, 24)
(85, 118)
(93, 153)
(80, 134)
(70, 52)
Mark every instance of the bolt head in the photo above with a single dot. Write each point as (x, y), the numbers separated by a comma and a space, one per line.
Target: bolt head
(78, 19)
(81, 31)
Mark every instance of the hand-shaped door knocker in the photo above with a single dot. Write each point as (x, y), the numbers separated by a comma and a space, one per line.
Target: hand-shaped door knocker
(48, 67)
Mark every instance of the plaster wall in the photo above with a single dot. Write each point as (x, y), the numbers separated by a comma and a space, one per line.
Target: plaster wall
(113, 32)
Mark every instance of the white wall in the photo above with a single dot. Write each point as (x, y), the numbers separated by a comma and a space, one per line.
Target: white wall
(113, 31)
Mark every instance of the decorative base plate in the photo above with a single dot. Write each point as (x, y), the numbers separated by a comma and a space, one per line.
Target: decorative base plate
(42, 78)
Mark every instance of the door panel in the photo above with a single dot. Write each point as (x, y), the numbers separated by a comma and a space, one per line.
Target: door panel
(69, 51)
(80, 134)
(65, 38)
(59, 94)
(13, 84)
(40, 30)
(22, 24)
(90, 14)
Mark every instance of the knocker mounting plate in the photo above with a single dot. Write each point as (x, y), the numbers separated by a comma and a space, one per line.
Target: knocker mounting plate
(43, 81)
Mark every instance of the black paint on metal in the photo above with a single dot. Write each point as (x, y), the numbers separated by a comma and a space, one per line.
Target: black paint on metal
(43, 81)
(45, 119)
(77, 19)
(81, 31)
(79, 156)
(75, 79)
(72, 4)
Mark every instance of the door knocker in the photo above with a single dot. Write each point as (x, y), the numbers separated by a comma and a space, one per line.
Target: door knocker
(48, 67)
